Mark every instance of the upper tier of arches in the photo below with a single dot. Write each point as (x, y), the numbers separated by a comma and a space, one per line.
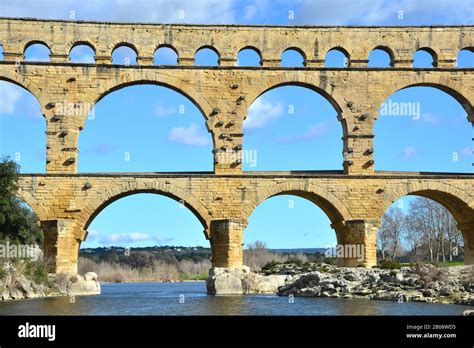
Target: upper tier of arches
(269, 42)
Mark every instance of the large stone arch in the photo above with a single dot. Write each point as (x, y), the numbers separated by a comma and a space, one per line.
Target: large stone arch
(323, 87)
(463, 94)
(37, 208)
(151, 77)
(111, 195)
(23, 82)
(327, 201)
(457, 201)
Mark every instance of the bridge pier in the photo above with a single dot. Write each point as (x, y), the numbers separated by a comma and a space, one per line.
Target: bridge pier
(227, 242)
(357, 243)
(61, 246)
(467, 230)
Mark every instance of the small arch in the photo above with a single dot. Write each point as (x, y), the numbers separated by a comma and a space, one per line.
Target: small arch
(249, 56)
(1, 52)
(124, 54)
(206, 56)
(37, 51)
(336, 57)
(293, 57)
(381, 57)
(425, 57)
(82, 52)
(165, 55)
(465, 58)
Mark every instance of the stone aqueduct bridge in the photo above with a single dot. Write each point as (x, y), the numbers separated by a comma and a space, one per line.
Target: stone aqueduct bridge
(354, 198)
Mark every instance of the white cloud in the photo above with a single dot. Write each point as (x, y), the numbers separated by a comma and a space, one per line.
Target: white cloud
(163, 110)
(430, 118)
(261, 112)
(10, 95)
(189, 135)
(409, 152)
(314, 132)
(133, 237)
(467, 152)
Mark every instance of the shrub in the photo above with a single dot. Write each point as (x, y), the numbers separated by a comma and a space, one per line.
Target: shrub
(390, 264)
(294, 261)
(40, 274)
(3, 272)
(330, 260)
(270, 265)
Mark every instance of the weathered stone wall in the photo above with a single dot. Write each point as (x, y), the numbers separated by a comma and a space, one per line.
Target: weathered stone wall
(354, 199)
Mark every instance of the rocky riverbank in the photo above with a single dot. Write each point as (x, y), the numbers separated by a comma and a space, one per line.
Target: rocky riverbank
(422, 283)
(16, 285)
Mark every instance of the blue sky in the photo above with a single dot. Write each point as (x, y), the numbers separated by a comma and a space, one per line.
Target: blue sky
(154, 128)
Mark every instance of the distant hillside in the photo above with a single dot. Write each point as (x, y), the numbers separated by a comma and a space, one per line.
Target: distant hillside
(182, 252)
(302, 251)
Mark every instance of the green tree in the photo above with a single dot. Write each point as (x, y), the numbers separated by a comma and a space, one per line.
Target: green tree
(17, 221)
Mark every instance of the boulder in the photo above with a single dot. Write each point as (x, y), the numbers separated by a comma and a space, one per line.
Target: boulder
(225, 281)
(79, 286)
(90, 276)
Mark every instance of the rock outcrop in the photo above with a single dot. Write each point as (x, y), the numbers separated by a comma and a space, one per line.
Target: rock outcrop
(225, 281)
(425, 283)
(15, 285)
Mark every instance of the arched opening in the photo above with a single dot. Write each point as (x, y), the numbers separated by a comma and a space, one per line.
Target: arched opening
(154, 129)
(165, 55)
(420, 228)
(1, 52)
(380, 57)
(37, 52)
(249, 56)
(465, 58)
(287, 228)
(206, 56)
(293, 57)
(82, 53)
(336, 58)
(424, 58)
(135, 237)
(124, 54)
(22, 128)
(423, 128)
(292, 128)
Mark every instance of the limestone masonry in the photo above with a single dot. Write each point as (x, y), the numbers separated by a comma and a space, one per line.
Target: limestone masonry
(354, 198)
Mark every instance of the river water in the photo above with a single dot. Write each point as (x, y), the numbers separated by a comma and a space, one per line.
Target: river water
(190, 298)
